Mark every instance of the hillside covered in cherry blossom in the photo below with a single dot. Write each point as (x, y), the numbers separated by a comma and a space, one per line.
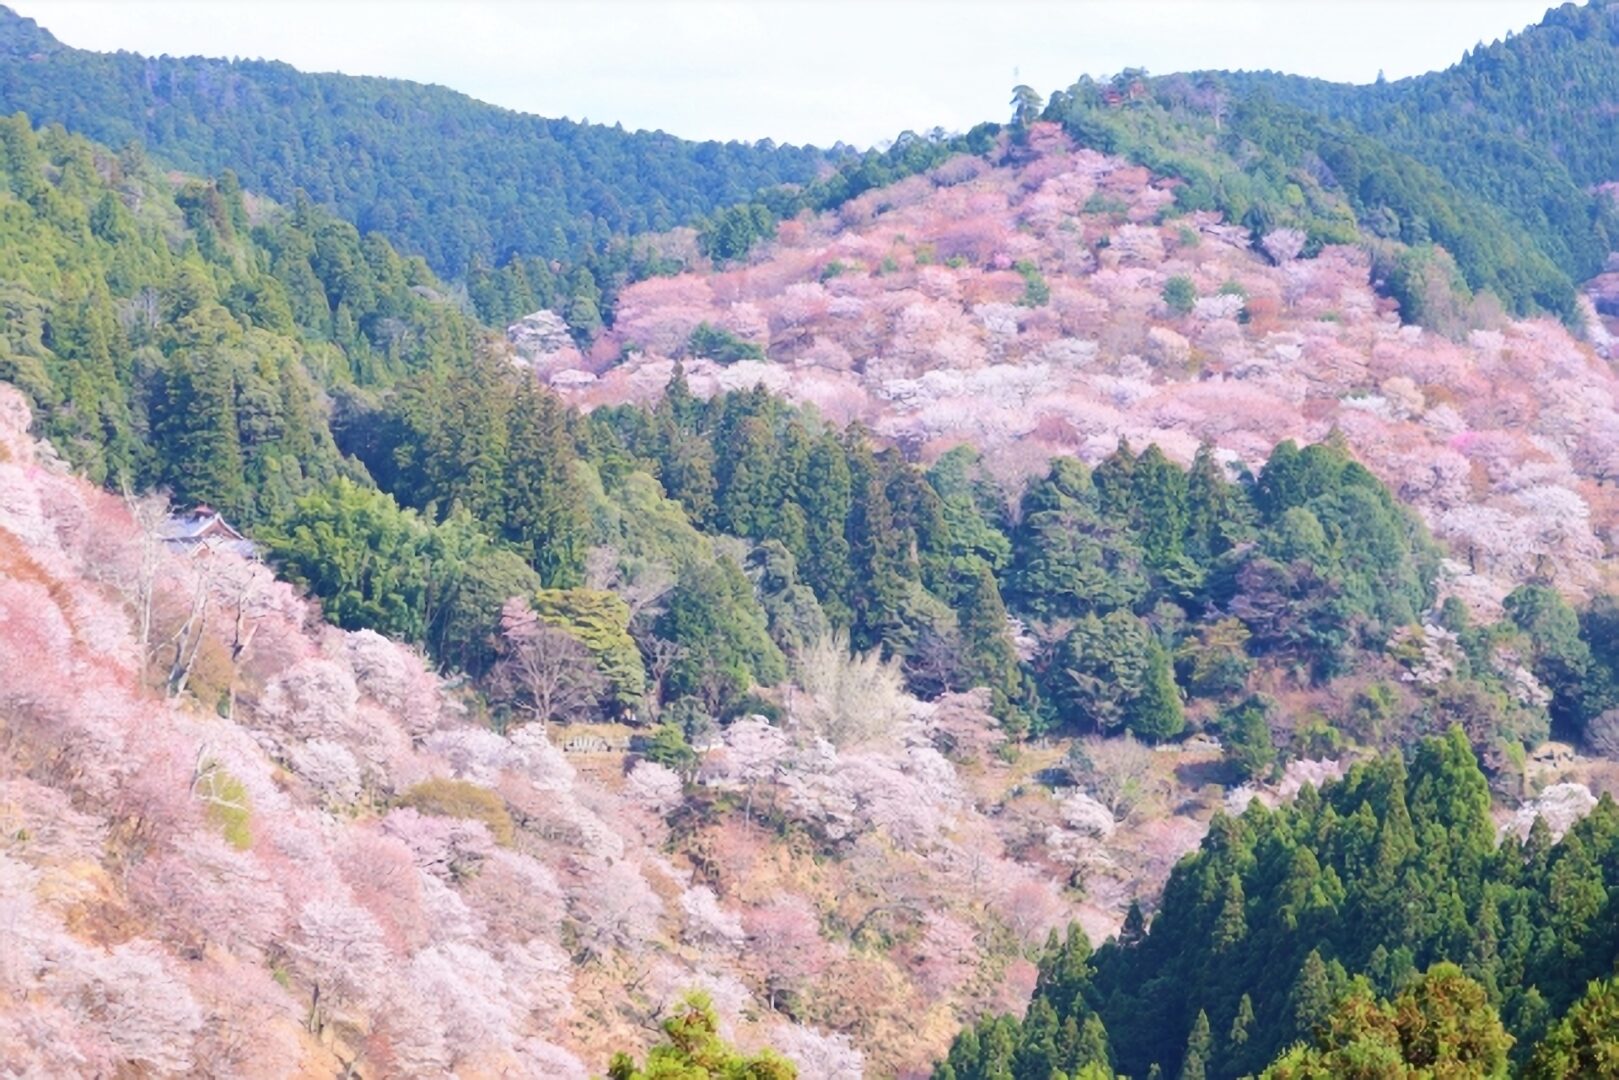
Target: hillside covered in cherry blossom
(1128, 591)
(340, 867)
(1047, 301)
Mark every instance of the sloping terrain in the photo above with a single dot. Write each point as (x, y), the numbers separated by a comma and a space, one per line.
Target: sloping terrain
(240, 842)
(1526, 122)
(440, 174)
(1054, 304)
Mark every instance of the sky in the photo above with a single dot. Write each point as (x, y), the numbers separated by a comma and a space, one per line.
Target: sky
(790, 70)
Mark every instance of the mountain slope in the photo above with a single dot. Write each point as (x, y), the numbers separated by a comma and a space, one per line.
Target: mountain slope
(1395, 870)
(1527, 123)
(167, 334)
(439, 173)
(1052, 300)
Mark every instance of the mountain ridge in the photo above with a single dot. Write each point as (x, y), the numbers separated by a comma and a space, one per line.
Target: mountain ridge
(580, 184)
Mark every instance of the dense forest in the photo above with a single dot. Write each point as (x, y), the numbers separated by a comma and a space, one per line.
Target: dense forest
(1523, 123)
(440, 174)
(169, 338)
(1500, 187)
(437, 482)
(1273, 165)
(840, 670)
(1374, 928)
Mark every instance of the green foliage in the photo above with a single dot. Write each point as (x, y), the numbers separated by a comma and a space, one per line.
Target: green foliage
(693, 1050)
(1441, 1026)
(464, 632)
(718, 344)
(462, 799)
(1113, 673)
(1245, 734)
(163, 341)
(1036, 293)
(1068, 558)
(669, 747)
(712, 615)
(1560, 656)
(442, 175)
(1180, 294)
(1518, 123)
(1585, 1042)
(1268, 164)
(732, 233)
(368, 560)
(1291, 924)
(1340, 563)
(600, 621)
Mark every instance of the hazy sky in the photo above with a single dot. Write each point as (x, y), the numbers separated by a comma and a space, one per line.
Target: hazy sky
(785, 69)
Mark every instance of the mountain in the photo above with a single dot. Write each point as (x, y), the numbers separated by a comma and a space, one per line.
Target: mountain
(1526, 123)
(1046, 299)
(1265, 164)
(438, 173)
(1178, 520)
(1296, 928)
(183, 334)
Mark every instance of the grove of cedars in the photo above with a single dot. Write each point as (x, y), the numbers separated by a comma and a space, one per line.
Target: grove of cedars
(908, 310)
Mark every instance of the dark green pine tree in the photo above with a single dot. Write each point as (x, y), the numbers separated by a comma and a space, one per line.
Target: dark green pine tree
(1584, 1043)
(1114, 480)
(1217, 515)
(1237, 1038)
(1159, 496)
(1245, 732)
(824, 492)
(1134, 929)
(544, 508)
(196, 431)
(1037, 1057)
(746, 468)
(1091, 1051)
(1065, 969)
(1231, 924)
(1199, 1047)
(878, 553)
(1156, 713)
(992, 658)
(1312, 998)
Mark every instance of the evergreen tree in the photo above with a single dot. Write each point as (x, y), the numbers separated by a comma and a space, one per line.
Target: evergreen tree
(543, 511)
(1199, 1045)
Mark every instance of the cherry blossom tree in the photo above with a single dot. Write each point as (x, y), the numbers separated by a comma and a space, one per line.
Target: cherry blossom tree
(709, 924)
(618, 911)
(784, 944)
(655, 787)
(338, 947)
(826, 1057)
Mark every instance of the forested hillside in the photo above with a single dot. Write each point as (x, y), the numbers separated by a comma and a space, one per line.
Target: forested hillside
(440, 174)
(1044, 299)
(1268, 165)
(1126, 592)
(1525, 124)
(1301, 926)
(169, 336)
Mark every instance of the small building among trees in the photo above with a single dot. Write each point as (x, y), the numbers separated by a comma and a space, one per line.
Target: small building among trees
(204, 528)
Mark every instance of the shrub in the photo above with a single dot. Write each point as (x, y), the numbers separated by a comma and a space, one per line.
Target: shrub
(462, 799)
(720, 345)
(1180, 294)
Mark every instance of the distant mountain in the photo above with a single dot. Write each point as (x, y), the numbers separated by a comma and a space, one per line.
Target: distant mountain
(437, 172)
(1529, 123)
